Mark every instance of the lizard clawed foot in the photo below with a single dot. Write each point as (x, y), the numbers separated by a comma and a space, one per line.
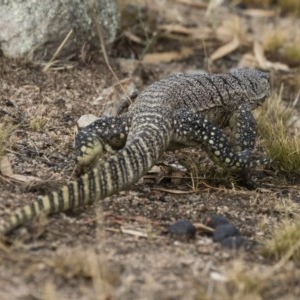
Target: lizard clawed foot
(90, 149)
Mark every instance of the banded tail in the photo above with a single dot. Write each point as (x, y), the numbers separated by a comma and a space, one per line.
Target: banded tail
(107, 178)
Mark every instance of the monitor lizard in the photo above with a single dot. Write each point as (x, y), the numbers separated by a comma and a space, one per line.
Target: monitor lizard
(179, 111)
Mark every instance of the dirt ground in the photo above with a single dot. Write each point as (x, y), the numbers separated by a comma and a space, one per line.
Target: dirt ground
(119, 248)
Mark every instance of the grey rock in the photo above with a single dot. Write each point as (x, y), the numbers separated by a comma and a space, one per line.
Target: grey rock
(183, 229)
(224, 231)
(34, 29)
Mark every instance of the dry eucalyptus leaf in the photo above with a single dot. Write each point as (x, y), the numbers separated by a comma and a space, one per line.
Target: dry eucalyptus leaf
(195, 33)
(24, 178)
(225, 49)
(6, 170)
(164, 57)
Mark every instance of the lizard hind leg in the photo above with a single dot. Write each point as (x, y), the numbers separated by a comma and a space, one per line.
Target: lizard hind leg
(192, 128)
(103, 135)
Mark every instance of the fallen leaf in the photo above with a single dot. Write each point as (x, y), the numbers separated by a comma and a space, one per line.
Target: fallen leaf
(259, 55)
(225, 49)
(24, 178)
(164, 57)
(6, 170)
(197, 33)
(261, 13)
(5, 167)
(202, 227)
(133, 37)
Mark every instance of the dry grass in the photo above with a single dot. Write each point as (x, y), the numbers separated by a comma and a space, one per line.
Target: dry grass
(277, 42)
(276, 126)
(274, 39)
(5, 132)
(244, 282)
(289, 5)
(285, 241)
(38, 123)
(270, 204)
(292, 52)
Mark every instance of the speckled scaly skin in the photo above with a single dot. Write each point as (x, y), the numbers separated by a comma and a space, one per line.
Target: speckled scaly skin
(179, 111)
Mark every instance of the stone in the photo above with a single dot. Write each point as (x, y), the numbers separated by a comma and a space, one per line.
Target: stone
(34, 30)
(183, 229)
(224, 231)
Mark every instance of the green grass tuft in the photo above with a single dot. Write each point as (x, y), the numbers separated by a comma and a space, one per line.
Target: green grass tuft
(38, 123)
(284, 242)
(280, 139)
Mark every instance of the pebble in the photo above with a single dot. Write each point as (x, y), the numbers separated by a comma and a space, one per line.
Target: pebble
(224, 231)
(183, 229)
(214, 221)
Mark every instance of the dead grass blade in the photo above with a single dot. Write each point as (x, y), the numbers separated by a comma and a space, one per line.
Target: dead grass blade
(164, 57)
(134, 232)
(52, 60)
(171, 191)
(98, 27)
(101, 288)
(202, 227)
(134, 38)
(199, 4)
(174, 31)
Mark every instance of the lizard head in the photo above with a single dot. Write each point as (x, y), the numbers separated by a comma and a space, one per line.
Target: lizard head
(257, 85)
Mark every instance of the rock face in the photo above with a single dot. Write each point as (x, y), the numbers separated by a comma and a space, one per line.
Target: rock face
(34, 29)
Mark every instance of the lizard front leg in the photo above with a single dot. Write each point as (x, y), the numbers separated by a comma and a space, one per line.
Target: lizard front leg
(243, 132)
(103, 135)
